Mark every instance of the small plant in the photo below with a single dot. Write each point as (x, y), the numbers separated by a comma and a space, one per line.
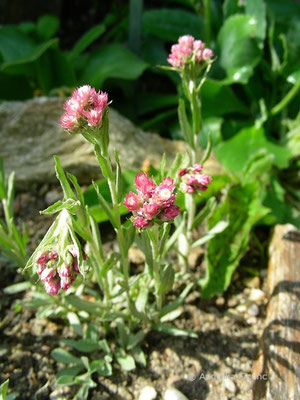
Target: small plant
(12, 242)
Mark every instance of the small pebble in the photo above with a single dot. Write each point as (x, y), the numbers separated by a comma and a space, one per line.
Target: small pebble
(220, 301)
(251, 321)
(124, 394)
(148, 393)
(174, 394)
(230, 385)
(256, 295)
(252, 282)
(253, 310)
(136, 256)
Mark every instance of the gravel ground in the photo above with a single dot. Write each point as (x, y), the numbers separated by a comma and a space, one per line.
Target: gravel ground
(216, 365)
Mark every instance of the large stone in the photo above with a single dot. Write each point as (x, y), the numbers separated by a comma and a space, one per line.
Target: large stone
(31, 135)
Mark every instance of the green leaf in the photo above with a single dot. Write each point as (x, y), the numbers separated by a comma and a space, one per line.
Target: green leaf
(139, 356)
(112, 61)
(281, 211)
(213, 95)
(17, 287)
(74, 321)
(240, 52)
(3, 193)
(243, 209)
(84, 305)
(60, 174)
(244, 144)
(65, 380)
(207, 210)
(47, 26)
(102, 367)
(109, 264)
(63, 356)
(169, 23)
(70, 371)
(86, 40)
(70, 205)
(3, 389)
(167, 278)
(172, 330)
(83, 345)
(215, 230)
(126, 361)
(184, 124)
(176, 303)
(257, 10)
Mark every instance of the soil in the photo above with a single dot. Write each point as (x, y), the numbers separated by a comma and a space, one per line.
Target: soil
(216, 365)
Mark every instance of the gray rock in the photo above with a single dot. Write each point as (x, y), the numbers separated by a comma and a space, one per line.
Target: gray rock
(31, 135)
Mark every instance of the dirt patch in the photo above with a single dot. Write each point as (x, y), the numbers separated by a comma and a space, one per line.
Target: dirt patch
(216, 365)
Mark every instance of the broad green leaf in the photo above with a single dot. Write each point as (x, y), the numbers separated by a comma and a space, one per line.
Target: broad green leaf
(240, 52)
(102, 367)
(85, 305)
(22, 65)
(257, 10)
(167, 278)
(47, 26)
(88, 38)
(14, 44)
(214, 94)
(281, 211)
(112, 61)
(169, 23)
(65, 380)
(242, 207)
(83, 345)
(231, 7)
(235, 152)
(63, 356)
(139, 356)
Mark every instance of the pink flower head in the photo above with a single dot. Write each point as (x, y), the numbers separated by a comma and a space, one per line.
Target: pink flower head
(152, 200)
(52, 286)
(47, 274)
(55, 275)
(189, 51)
(207, 54)
(140, 222)
(182, 172)
(66, 281)
(150, 210)
(164, 193)
(144, 184)
(84, 108)
(170, 213)
(64, 271)
(192, 179)
(196, 168)
(132, 202)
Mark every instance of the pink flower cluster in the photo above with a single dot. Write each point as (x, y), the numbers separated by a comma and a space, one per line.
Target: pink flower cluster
(188, 50)
(192, 179)
(151, 201)
(85, 106)
(54, 277)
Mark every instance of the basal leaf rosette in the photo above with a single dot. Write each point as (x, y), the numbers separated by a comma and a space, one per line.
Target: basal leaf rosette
(152, 203)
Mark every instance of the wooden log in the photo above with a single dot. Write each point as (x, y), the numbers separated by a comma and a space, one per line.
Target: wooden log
(277, 368)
